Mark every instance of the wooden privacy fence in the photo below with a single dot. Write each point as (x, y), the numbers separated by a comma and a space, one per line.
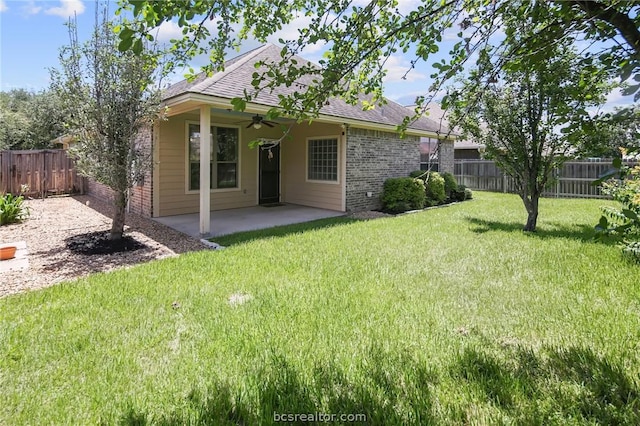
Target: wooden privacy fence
(43, 172)
(572, 180)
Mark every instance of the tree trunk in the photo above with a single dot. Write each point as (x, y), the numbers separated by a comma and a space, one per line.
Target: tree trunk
(531, 204)
(117, 225)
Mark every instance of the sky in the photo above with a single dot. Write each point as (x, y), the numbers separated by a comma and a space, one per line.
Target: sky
(33, 31)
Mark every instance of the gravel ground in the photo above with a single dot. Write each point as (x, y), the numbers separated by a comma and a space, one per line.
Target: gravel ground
(53, 220)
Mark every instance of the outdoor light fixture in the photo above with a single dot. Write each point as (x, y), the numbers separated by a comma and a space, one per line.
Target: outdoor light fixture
(257, 125)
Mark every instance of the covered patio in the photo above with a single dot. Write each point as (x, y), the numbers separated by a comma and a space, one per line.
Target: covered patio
(224, 222)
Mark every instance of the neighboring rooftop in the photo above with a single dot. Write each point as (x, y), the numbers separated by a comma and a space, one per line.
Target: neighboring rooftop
(238, 75)
(437, 114)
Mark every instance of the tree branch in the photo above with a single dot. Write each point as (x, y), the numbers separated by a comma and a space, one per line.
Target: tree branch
(622, 22)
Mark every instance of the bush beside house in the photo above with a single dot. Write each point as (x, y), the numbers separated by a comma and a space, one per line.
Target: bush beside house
(401, 194)
(450, 184)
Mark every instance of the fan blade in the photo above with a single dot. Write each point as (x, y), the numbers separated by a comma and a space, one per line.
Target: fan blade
(267, 123)
(250, 124)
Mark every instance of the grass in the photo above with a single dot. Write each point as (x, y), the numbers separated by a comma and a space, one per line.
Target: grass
(449, 316)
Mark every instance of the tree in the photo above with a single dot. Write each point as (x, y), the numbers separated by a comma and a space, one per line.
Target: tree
(531, 122)
(360, 39)
(612, 131)
(14, 123)
(29, 120)
(109, 98)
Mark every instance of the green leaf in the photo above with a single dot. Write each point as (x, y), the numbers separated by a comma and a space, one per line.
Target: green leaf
(125, 44)
(630, 214)
(255, 143)
(239, 104)
(125, 33)
(137, 47)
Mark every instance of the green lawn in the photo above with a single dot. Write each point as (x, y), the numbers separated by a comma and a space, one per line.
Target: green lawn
(448, 316)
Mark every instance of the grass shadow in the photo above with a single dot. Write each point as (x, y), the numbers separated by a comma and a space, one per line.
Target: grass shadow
(552, 385)
(282, 231)
(583, 233)
(395, 391)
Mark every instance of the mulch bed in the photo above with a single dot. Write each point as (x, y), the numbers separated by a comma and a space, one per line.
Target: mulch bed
(95, 243)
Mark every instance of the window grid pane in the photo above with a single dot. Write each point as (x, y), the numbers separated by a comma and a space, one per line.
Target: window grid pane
(323, 160)
(224, 157)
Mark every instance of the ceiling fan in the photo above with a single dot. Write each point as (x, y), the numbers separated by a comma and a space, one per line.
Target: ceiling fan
(257, 121)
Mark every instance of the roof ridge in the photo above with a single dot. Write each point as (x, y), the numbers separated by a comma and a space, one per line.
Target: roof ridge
(238, 61)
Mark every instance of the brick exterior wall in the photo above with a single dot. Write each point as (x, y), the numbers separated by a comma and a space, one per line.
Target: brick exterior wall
(372, 157)
(140, 196)
(445, 156)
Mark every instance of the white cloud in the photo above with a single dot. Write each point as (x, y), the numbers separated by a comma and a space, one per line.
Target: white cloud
(408, 97)
(168, 30)
(399, 69)
(616, 97)
(406, 6)
(3, 6)
(67, 8)
(291, 31)
(30, 8)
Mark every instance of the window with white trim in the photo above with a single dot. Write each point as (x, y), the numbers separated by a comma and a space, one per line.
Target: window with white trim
(322, 159)
(223, 160)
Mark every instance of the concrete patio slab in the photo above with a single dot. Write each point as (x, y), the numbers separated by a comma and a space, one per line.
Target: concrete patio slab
(224, 222)
(20, 261)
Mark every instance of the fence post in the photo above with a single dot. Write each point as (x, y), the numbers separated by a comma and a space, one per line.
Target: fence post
(464, 181)
(504, 182)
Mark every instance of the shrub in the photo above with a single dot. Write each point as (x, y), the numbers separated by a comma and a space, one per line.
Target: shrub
(450, 184)
(459, 194)
(402, 194)
(623, 222)
(468, 194)
(420, 174)
(434, 184)
(12, 209)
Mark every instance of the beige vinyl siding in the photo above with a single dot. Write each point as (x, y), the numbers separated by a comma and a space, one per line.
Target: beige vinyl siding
(173, 195)
(295, 187)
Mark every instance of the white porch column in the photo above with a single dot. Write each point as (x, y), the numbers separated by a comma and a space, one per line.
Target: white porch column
(205, 169)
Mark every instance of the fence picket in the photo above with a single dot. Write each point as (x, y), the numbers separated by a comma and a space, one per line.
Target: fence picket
(573, 178)
(48, 171)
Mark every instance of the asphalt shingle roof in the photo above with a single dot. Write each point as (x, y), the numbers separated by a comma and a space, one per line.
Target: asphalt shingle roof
(436, 112)
(238, 74)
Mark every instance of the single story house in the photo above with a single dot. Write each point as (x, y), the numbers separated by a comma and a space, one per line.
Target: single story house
(338, 162)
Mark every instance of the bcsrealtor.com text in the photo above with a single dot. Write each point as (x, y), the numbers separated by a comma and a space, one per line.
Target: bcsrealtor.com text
(319, 417)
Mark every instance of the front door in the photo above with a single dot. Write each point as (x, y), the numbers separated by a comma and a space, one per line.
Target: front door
(269, 174)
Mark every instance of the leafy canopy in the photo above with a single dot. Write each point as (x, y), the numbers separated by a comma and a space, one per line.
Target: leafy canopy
(29, 120)
(361, 37)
